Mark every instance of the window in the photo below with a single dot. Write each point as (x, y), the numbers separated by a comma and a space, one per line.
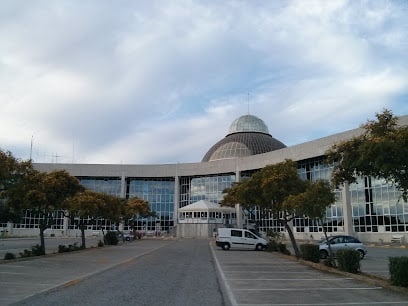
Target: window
(235, 233)
(249, 235)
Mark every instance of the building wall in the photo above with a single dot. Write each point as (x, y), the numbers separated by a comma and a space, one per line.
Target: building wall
(376, 212)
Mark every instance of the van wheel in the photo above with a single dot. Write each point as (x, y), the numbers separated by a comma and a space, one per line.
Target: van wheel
(259, 247)
(361, 254)
(226, 246)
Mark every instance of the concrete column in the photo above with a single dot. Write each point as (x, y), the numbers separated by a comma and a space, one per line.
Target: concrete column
(176, 202)
(65, 225)
(9, 228)
(123, 185)
(347, 210)
(238, 209)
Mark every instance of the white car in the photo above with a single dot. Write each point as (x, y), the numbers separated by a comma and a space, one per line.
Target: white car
(236, 238)
(128, 236)
(341, 242)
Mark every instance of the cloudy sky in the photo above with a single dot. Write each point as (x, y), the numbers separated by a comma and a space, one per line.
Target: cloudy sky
(161, 81)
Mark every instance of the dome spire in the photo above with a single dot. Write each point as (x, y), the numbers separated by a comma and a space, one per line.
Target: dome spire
(248, 102)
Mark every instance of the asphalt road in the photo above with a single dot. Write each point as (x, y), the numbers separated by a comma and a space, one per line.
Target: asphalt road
(185, 272)
(377, 259)
(178, 273)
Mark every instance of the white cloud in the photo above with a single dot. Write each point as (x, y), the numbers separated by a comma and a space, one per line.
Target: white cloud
(153, 81)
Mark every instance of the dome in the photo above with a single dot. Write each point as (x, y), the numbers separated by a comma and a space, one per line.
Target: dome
(248, 135)
(248, 123)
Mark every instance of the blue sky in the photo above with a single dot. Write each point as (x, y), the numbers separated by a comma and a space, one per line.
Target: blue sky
(161, 81)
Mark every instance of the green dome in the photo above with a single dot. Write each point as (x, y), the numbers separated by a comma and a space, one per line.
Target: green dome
(248, 123)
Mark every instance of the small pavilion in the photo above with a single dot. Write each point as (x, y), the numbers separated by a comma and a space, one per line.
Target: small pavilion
(202, 218)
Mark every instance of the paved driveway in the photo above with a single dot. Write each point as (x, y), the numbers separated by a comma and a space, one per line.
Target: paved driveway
(262, 278)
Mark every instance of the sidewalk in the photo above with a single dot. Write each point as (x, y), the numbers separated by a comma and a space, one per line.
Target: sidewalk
(22, 278)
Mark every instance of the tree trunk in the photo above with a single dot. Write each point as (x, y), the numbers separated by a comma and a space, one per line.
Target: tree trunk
(42, 240)
(292, 238)
(83, 236)
(331, 256)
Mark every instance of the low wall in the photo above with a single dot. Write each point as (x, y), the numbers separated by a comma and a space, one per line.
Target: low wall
(35, 232)
(187, 230)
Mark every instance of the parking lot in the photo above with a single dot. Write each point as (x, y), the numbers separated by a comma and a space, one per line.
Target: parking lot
(246, 277)
(262, 278)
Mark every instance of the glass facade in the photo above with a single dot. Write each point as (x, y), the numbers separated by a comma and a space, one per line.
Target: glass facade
(32, 219)
(377, 207)
(313, 170)
(108, 185)
(160, 195)
(210, 188)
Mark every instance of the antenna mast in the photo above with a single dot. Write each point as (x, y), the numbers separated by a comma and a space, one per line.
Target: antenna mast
(248, 102)
(31, 147)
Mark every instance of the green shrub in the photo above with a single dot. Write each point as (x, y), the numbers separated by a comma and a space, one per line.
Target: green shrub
(69, 248)
(348, 260)
(282, 248)
(272, 246)
(111, 238)
(276, 236)
(310, 252)
(36, 250)
(9, 255)
(62, 248)
(398, 267)
(100, 243)
(26, 253)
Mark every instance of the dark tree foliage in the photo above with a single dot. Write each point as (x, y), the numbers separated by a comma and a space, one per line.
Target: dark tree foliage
(269, 189)
(43, 193)
(381, 151)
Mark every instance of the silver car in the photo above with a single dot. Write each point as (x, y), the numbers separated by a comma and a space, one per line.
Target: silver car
(341, 242)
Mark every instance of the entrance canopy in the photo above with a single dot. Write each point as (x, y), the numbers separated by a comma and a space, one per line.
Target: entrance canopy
(207, 206)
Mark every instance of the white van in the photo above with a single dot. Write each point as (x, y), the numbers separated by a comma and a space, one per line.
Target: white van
(237, 238)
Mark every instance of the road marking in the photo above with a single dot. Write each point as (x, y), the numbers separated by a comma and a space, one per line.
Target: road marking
(71, 283)
(274, 272)
(291, 279)
(19, 283)
(308, 289)
(330, 304)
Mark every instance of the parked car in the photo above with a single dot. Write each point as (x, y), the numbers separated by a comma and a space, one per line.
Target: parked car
(239, 238)
(128, 236)
(341, 242)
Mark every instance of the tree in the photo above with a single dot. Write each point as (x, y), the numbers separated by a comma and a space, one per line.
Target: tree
(268, 189)
(12, 171)
(313, 202)
(248, 193)
(43, 193)
(381, 151)
(136, 207)
(279, 181)
(84, 204)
